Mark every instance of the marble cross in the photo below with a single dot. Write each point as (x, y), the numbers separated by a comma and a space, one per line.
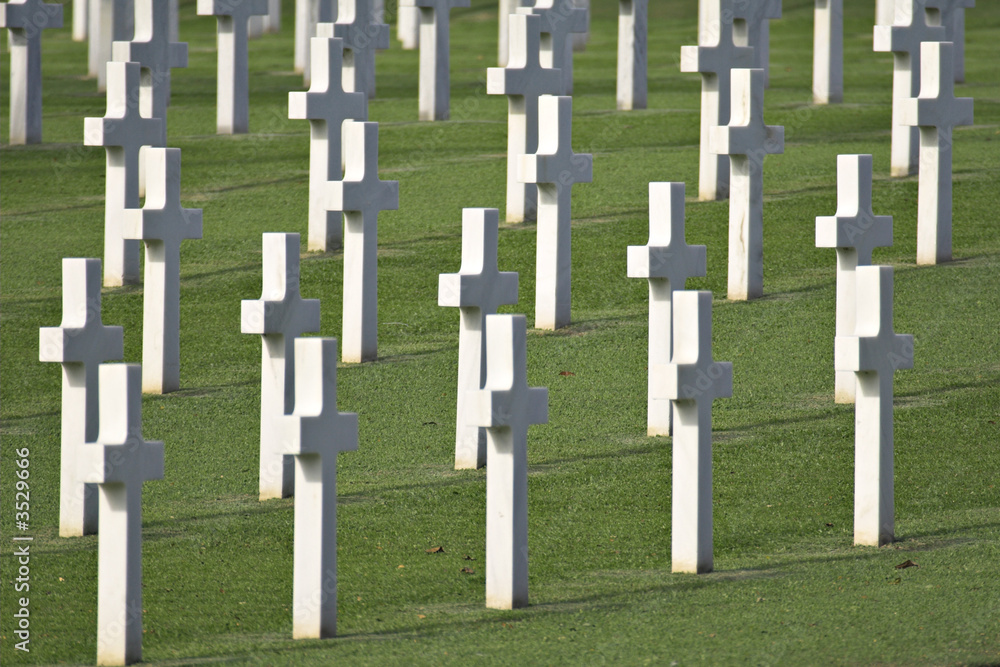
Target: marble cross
(715, 57)
(326, 106)
(232, 115)
(506, 406)
(874, 353)
(936, 112)
(523, 81)
(363, 32)
(854, 231)
(434, 98)
(118, 463)
(279, 316)
(156, 54)
(753, 28)
(123, 132)
(903, 39)
(321, 15)
(80, 20)
(174, 25)
(408, 27)
(666, 261)
(107, 21)
(828, 52)
(560, 19)
(885, 12)
(25, 20)
(313, 434)
(361, 196)
(504, 10)
(80, 343)
(162, 223)
(581, 39)
(747, 140)
(477, 290)
(632, 49)
(692, 381)
(952, 17)
(555, 168)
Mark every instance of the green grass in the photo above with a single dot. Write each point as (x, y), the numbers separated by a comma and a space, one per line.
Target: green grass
(789, 588)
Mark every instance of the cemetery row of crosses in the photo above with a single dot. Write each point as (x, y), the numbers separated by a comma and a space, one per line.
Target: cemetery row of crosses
(301, 430)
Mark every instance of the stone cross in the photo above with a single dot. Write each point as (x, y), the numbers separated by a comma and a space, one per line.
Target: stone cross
(828, 52)
(175, 20)
(162, 223)
(313, 435)
(753, 28)
(363, 33)
(80, 343)
(504, 10)
(581, 39)
(874, 353)
(854, 231)
(107, 21)
(952, 17)
(523, 81)
(476, 290)
(936, 112)
(80, 20)
(156, 54)
(232, 115)
(326, 106)
(25, 20)
(408, 27)
(747, 140)
(885, 12)
(555, 168)
(715, 57)
(692, 380)
(632, 49)
(119, 463)
(278, 316)
(435, 93)
(506, 406)
(903, 39)
(560, 18)
(321, 15)
(361, 196)
(123, 132)
(666, 261)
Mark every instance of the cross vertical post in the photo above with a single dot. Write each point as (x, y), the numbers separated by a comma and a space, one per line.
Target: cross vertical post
(25, 20)
(828, 52)
(560, 20)
(363, 33)
(435, 76)
(633, 18)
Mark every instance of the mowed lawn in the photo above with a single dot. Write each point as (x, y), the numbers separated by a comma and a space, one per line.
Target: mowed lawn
(788, 588)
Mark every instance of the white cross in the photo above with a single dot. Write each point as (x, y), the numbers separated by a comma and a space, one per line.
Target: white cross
(828, 52)
(154, 51)
(232, 115)
(692, 380)
(885, 12)
(936, 112)
(903, 39)
(555, 168)
(714, 57)
(320, 17)
(25, 20)
(80, 20)
(874, 353)
(506, 407)
(107, 21)
(434, 93)
(278, 316)
(952, 17)
(580, 39)
(361, 196)
(326, 106)
(523, 81)
(747, 140)
(477, 290)
(162, 223)
(854, 231)
(666, 261)
(363, 33)
(560, 18)
(753, 28)
(504, 9)
(123, 132)
(408, 27)
(632, 49)
(313, 434)
(80, 343)
(119, 463)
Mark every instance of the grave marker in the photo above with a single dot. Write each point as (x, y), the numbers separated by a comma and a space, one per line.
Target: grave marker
(560, 19)
(107, 21)
(936, 112)
(476, 290)
(279, 316)
(952, 13)
(666, 261)
(747, 140)
(874, 353)
(363, 32)
(80, 20)
(753, 28)
(632, 48)
(25, 20)
(321, 15)
(80, 343)
(408, 27)
(828, 52)
(361, 196)
(506, 407)
(435, 76)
